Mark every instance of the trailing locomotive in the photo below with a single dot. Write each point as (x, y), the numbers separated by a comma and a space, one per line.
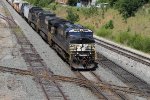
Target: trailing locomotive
(73, 42)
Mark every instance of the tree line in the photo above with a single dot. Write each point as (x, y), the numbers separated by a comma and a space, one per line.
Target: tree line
(126, 8)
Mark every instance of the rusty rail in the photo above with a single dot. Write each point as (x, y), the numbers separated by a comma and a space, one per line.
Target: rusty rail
(79, 81)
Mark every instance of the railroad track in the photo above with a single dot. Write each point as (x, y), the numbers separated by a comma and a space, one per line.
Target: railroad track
(94, 86)
(102, 93)
(36, 65)
(120, 95)
(134, 56)
(126, 77)
(107, 91)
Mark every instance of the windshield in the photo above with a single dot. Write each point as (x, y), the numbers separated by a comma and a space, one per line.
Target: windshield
(81, 34)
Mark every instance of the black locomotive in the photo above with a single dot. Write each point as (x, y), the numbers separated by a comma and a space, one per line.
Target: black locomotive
(73, 42)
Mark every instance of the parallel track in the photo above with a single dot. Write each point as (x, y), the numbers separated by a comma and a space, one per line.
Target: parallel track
(134, 56)
(126, 77)
(122, 96)
(107, 91)
(36, 64)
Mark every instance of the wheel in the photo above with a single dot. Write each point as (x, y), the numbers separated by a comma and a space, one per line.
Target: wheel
(49, 39)
(50, 42)
(29, 22)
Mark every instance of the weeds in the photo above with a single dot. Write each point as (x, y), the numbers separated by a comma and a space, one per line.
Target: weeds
(109, 25)
(137, 41)
(90, 27)
(89, 12)
(52, 6)
(104, 32)
(73, 17)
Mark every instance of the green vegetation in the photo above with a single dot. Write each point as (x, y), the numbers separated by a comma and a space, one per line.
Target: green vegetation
(90, 27)
(89, 12)
(128, 7)
(41, 3)
(71, 16)
(135, 40)
(109, 25)
(72, 2)
(103, 32)
(52, 6)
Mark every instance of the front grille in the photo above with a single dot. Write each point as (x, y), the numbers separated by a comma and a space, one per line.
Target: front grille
(83, 52)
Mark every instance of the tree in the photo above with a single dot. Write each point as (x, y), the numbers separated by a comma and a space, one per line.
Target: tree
(73, 17)
(112, 2)
(72, 2)
(128, 7)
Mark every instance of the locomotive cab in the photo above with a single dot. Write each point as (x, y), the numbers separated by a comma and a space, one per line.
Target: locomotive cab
(82, 49)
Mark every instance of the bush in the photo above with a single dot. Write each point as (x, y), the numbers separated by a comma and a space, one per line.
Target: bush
(135, 40)
(103, 32)
(73, 17)
(146, 44)
(72, 2)
(112, 2)
(52, 6)
(123, 37)
(91, 27)
(42, 3)
(109, 25)
(88, 12)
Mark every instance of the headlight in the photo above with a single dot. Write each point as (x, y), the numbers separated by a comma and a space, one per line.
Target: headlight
(91, 46)
(72, 46)
(88, 47)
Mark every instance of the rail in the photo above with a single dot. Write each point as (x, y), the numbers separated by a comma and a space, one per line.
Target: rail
(132, 55)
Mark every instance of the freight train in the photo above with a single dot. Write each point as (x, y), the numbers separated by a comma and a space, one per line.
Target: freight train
(73, 42)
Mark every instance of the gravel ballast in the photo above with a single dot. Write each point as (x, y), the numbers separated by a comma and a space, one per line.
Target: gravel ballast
(138, 69)
(109, 78)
